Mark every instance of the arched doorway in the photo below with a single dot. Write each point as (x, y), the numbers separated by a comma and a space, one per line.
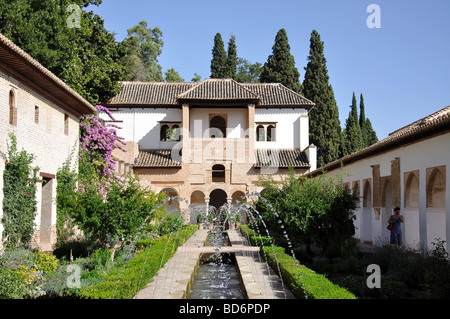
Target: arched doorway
(218, 127)
(173, 206)
(217, 198)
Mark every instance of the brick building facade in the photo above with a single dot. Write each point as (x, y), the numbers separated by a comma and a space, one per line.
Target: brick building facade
(210, 142)
(43, 113)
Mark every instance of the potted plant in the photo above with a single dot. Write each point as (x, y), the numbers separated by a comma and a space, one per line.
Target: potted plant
(210, 218)
(200, 221)
(237, 220)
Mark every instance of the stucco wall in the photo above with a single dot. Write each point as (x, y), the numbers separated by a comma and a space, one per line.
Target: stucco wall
(422, 224)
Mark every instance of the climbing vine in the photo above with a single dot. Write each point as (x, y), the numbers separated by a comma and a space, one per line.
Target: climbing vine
(19, 196)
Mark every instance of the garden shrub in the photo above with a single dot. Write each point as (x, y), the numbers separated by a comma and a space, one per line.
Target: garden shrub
(45, 262)
(12, 285)
(316, 286)
(147, 263)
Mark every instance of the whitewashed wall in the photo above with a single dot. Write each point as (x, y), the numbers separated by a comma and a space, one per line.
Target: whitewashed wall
(422, 225)
(290, 134)
(142, 125)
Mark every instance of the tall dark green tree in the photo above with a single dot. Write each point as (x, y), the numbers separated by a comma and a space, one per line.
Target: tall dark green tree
(325, 127)
(352, 132)
(232, 59)
(219, 60)
(280, 65)
(84, 55)
(368, 134)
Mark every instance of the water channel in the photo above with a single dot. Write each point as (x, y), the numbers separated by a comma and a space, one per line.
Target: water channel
(217, 276)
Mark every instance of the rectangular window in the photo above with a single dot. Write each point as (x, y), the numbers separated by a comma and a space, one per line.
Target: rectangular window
(66, 124)
(36, 114)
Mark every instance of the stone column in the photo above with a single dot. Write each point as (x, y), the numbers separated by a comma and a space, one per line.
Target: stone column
(376, 198)
(395, 180)
(185, 134)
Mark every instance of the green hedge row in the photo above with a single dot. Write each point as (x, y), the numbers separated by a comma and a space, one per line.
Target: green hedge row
(315, 285)
(147, 263)
(254, 238)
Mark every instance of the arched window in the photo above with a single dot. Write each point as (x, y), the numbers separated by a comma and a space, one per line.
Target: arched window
(218, 127)
(12, 108)
(271, 133)
(367, 197)
(412, 191)
(218, 174)
(436, 187)
(260, 134)
(164, 133)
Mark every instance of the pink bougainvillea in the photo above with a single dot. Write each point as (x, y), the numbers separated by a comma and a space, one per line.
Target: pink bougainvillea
(98, 140)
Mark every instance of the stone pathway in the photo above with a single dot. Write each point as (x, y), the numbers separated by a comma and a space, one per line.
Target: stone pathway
(175, 278)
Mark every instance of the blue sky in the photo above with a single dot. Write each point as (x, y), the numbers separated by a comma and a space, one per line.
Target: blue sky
(401, 68)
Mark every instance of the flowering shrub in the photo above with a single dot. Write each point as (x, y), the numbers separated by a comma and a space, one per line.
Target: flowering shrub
(98, 140)
(19, 196)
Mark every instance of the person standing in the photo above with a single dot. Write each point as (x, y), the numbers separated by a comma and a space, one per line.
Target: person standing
(396, 221)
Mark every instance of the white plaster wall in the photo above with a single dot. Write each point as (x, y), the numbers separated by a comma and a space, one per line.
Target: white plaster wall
(288, 128)
(422, 224)
(142, 125)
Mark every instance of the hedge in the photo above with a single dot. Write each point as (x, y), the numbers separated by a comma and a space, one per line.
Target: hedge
(154, 256)
(254, 238)
(317, 286)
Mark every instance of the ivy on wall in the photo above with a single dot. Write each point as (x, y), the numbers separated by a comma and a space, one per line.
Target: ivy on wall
(19, 196)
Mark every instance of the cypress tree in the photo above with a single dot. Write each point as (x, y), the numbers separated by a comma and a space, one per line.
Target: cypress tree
(232, 60)
(353, 136)
(219, 59)
(280, 65)
(371, 134)
(362, 122)
(325, 127)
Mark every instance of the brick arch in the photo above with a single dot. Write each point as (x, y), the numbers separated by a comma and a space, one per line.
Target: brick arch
(197, 197)
(171, 192)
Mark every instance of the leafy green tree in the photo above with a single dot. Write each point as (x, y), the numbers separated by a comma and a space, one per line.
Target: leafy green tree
(248, 72)
(196, 78)
(115, 217)
(280, 65)
(86, 56)
(172, 76)
(325, 127)
(352, 132)
(19, 196)
(143, 46)
(232, 59)
(219, 60)
(317, 211)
